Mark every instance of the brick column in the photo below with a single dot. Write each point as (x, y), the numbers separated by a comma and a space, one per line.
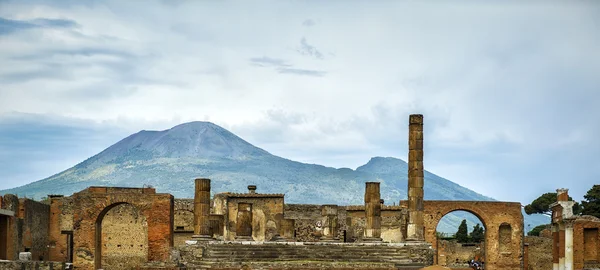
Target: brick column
(415, 179)
(561, 248)
(526, 256)
(330, 220)
(372, 212)
(244, 222)
(555, 243)
(202, 210)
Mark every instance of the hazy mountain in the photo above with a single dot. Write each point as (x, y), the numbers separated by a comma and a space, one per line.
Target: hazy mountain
(169, 160)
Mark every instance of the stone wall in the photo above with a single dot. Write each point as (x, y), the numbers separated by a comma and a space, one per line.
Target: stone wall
(393, 223)
(36, 219)
(267, 210)
(12, 265)
(124, 238)
(539, 252)
(61, 228)
(586, 242)
(14, 229)
(452, 253)
(308, 216)
(93, 203)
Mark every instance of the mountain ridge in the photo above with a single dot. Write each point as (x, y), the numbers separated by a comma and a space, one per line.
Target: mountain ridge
(170, 159)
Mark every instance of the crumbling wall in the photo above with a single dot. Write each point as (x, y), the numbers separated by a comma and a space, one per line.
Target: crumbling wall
(124, 238)
(393, 223)
(36, 220)
(267, 210)
(91, 204)
(452, 253)
(586, 235)
(307, 219)
(15, 227)
(539, 252)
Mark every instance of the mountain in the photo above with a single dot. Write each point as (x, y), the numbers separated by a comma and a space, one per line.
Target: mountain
(169, 160)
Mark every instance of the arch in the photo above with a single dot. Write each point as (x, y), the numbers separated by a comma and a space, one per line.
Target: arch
(91, 206)
(460, 209)
(491, 214)
(131, 231)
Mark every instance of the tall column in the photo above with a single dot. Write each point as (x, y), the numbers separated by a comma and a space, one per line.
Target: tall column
(561, 248)
(372, 212)
(555, 244)
(568, 246)
(244, 222)
(330, 220)
(415, 179)
(202, 210)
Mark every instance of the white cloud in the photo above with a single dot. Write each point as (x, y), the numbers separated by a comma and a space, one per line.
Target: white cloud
(504, 82)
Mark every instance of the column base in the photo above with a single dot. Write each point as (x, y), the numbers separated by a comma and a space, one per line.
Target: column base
(414, 240)
(244, 238)
(372, 239)
(202, 237)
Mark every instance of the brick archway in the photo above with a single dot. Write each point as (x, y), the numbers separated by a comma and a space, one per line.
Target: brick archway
(492, 215)
(90, 206)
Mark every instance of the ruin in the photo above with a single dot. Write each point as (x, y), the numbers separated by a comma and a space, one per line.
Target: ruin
(576, 239)
(129, 228)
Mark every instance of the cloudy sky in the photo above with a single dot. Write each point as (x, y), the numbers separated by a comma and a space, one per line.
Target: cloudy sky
(510, 91)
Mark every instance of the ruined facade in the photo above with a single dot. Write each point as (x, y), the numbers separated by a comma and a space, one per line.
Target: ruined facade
(576, 239)
(23, 226)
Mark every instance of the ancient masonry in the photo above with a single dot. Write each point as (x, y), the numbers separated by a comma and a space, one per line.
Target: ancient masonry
(576, 239)
(133, 228)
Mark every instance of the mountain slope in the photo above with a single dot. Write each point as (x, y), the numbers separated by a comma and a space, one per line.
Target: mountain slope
(169, 160)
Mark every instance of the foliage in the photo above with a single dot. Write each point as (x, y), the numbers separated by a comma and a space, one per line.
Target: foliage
(478, 234)
(462, 235)
(536, 231)
(591, 202)
(541, 205)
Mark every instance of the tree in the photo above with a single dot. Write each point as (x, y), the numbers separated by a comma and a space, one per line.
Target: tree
(591, 202)
(462, 235)
(536, 231)
(477, 235)
(541, 205)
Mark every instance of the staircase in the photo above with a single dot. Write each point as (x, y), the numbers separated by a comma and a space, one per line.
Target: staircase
(298, 255)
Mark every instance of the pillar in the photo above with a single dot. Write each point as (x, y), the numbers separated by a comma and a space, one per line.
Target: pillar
(287, 229)
(330, 221)
(568, 246)
(555, 243)
(415, 231)
(372, 212)
(526, 256)
(244, 222)
(202, 209)
(561, 248)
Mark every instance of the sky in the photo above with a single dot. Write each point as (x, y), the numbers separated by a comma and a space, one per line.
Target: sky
(509, 90)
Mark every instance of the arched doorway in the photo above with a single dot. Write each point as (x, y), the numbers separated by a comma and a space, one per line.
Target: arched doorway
(455, 244)
(121, 237)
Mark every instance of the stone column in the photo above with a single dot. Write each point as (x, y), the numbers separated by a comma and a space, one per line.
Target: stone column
(202, 210)
(555, 243)
(415, 228)
(287, 229)
(568, 246)
(330, 222)
(372, 212)
(244, 222)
